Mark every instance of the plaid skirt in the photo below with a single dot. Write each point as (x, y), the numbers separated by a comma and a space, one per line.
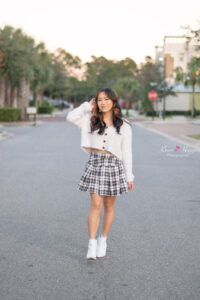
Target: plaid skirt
(104, 174)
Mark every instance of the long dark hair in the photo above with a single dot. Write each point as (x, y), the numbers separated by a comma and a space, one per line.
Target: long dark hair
(96, 121)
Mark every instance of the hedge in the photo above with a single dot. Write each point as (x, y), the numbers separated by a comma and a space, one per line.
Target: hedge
(45, 108)
(8, 114)
(175, 112)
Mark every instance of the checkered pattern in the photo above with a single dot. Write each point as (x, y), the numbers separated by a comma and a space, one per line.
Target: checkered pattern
(104, 174)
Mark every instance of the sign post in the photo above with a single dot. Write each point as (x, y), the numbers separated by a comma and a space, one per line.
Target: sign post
(152, 95)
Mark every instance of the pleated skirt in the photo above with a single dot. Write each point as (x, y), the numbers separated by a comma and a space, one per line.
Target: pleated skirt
(103, 174)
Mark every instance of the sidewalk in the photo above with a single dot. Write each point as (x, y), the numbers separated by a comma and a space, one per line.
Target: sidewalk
(175, 128)
(20, 123)
(5, 134)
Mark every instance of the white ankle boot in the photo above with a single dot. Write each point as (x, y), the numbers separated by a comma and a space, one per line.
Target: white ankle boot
(101, 246)
(92, 249)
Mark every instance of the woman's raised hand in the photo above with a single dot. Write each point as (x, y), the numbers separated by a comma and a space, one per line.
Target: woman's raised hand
(92, 102)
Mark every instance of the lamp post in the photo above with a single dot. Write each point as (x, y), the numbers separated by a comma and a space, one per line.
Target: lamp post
(163, 83)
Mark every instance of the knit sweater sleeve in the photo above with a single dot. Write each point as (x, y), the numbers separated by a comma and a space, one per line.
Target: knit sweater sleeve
(77, 115)
(127, 153)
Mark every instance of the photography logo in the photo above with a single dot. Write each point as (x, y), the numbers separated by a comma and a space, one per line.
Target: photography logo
(177, 151)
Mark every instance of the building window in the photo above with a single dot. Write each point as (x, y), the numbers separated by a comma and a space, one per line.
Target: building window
(181, 56)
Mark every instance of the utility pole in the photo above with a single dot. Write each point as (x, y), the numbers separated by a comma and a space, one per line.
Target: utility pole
(164, 71)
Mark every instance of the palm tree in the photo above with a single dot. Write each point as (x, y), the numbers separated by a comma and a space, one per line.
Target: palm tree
(17, 60)
(43, 73)
(190, 78)
(128, 88)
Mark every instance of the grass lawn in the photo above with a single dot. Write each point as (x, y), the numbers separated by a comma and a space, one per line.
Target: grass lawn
(194, 136)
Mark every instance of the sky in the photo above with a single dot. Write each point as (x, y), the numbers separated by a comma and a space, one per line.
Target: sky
(111, 28)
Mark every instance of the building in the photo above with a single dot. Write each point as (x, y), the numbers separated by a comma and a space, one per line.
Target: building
(176, 51)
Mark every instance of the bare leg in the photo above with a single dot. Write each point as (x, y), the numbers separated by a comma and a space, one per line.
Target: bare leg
(94, 214)
(109, 214)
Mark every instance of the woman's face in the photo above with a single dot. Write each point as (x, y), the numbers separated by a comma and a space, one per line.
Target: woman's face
(104, 103)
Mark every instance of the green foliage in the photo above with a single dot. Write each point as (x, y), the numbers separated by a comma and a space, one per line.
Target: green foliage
(43, 70)
(128, 87)
(153, 73)
(21, 58)
(192, 76)
(18, 55)
(45, 108)
(8, 114)
(194, 136)
(55, 74)
(101, 73)
(175, 113)
(68, 59)
(31, 103)
(59, 82)
(179, 75)
(77, 90)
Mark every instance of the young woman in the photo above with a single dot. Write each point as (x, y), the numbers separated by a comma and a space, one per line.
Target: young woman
(107, 137)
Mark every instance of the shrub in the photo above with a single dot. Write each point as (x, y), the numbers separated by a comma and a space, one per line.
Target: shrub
(175, 112)
(31, 103)
(45, 108)
(8, 114)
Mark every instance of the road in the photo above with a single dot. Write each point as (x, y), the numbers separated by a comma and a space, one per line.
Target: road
(153, 246)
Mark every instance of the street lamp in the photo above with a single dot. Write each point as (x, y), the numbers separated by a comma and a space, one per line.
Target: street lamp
(164, 82)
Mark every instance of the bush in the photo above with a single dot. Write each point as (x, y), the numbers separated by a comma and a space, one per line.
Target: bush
(175, 112)
(31, 103)
(45, 108)
(8, 114)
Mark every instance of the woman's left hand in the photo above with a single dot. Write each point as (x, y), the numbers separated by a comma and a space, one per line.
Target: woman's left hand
(130, 185)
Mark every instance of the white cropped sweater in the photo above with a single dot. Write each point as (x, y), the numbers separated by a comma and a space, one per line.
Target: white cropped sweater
(118, 144)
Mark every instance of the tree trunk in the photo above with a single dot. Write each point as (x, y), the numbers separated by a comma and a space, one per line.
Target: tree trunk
(128, 96)
(23, 98)
(7, 93)
(35, 98)
(12, 96)
(163, 115)
(193, 100)
(41, 97)
(127, 105)
(2, 92)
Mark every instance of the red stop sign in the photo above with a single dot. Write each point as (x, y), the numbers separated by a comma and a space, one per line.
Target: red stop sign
(153, 95)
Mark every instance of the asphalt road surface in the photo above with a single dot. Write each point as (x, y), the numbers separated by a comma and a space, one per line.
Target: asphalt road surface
(153, 246)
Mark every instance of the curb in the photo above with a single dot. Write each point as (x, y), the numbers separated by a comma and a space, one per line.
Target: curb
(183, 140)
(192, 140)
(5, 135)
(38, 123)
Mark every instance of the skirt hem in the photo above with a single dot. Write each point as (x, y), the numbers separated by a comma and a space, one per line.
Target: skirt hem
(104, 174)
(99, 193)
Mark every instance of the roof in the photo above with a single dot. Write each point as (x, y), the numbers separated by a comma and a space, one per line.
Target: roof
(182, 88)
